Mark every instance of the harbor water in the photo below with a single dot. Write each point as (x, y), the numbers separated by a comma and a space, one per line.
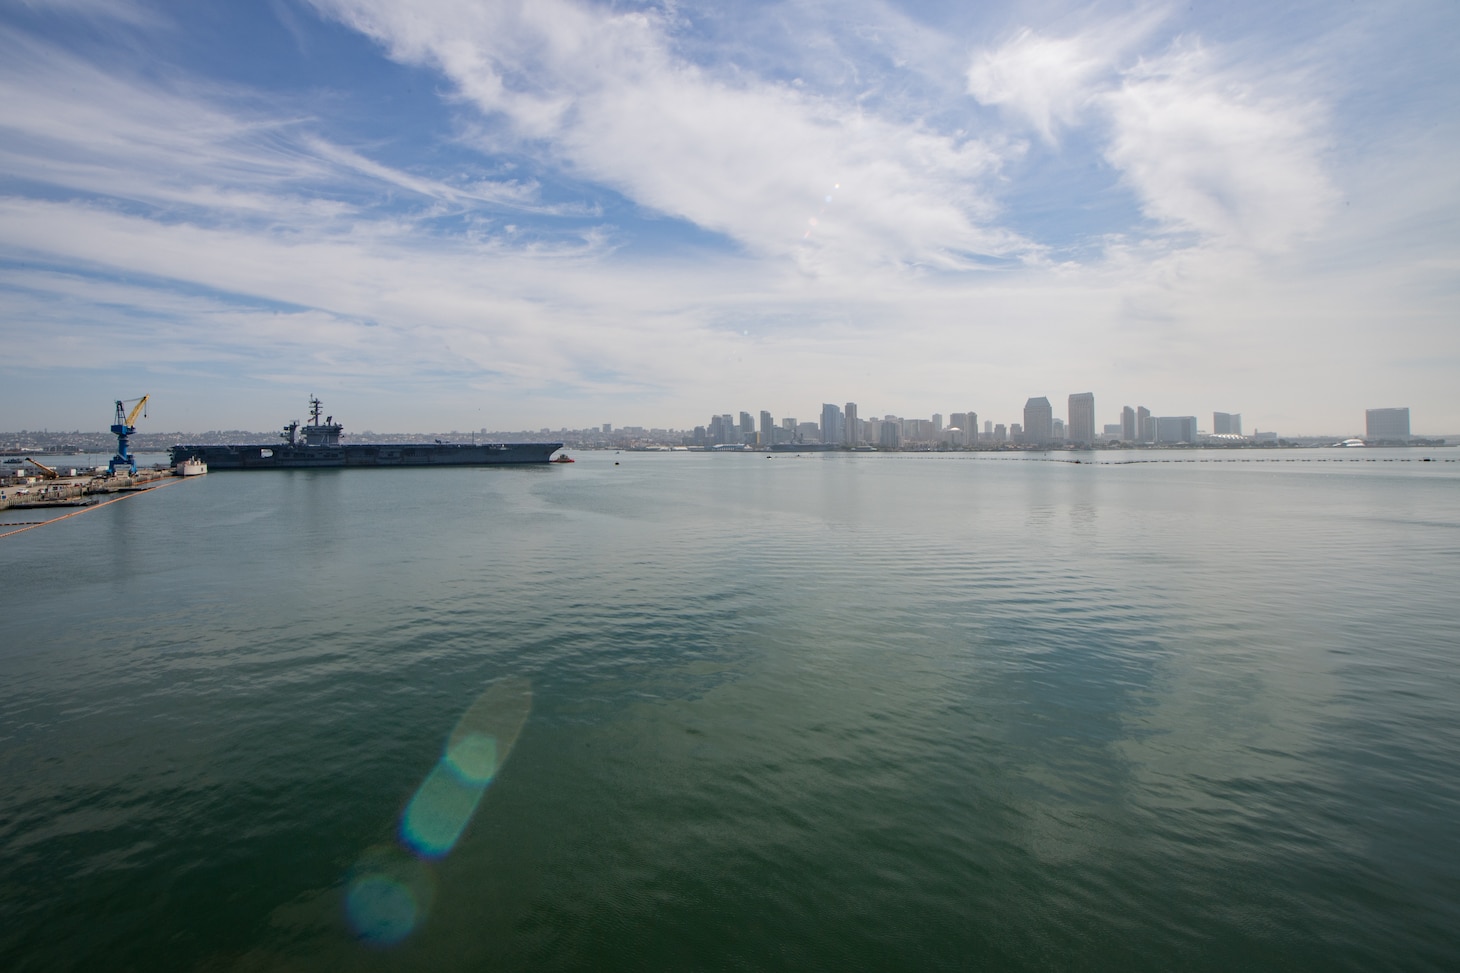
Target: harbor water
(689, 711)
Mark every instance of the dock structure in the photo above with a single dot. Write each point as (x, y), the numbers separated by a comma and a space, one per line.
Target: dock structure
(68, 493)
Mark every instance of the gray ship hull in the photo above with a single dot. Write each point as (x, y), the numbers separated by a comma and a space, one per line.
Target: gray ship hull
(282, 456)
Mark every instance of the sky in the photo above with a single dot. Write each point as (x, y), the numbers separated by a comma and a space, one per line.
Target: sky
(462, 214)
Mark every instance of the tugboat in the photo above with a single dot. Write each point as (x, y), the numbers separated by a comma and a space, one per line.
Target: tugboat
(191, 466)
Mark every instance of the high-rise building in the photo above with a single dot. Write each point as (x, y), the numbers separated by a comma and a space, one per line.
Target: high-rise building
(1226, 424)
(747, 428)
(999, 434)
(1176, 429)
(1145, 427)
(767, 429)
(852, 433)
(967, 425)
(1082, 418)
(831, 423)
(1128, 424)
(988, 429)
(1038, 421)
(956, 421)
(1057, 430)
(1386, 424)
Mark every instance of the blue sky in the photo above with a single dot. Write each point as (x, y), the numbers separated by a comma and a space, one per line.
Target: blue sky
(463, 214)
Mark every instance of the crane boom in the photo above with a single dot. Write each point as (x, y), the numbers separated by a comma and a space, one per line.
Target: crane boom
(142, 402)
(46, 471)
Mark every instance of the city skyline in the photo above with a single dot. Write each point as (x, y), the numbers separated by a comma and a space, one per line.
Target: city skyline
(510, 215)
(1136, 424)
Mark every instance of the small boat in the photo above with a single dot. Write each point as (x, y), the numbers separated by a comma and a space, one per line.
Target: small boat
(562, 458)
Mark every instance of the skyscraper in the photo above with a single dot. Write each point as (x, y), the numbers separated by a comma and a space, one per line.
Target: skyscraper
(1128, 424)
(767, 429)
(1038, 421)
(1226, 423)
(1082, 418)
(1386, 423)
(1145, 428)
(853, 433)
(1176, 429)
(747, 428)
(831, 423)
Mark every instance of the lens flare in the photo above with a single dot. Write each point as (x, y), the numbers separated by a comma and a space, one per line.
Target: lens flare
(388, 894)
(443, 805)
(390, 890)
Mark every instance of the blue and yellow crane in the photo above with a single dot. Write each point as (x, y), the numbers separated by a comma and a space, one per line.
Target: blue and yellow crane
(123, 428)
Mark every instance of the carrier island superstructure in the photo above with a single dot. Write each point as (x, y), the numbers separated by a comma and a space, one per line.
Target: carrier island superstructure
(317, 444)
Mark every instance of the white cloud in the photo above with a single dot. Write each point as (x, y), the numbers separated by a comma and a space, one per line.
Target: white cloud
(1047, 80)
(1209, 153)
(1228, 153)
(747, 158)
(212, 153)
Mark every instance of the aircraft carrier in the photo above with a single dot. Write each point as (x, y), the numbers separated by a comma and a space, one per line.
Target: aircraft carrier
(319, 446)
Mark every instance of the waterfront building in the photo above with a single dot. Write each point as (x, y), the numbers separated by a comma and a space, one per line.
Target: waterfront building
(831, 423)
(1176, 429)
(1128, 424)
(967, 425)
(988, 428)
(852, 434)
(1392, 424)
(889, 435)
(1226, 424)
(767, 429)
(1038, 421)
(1082, 418)
(1057, 431)
(918, 431)
(1145, 428)
(999, 434)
